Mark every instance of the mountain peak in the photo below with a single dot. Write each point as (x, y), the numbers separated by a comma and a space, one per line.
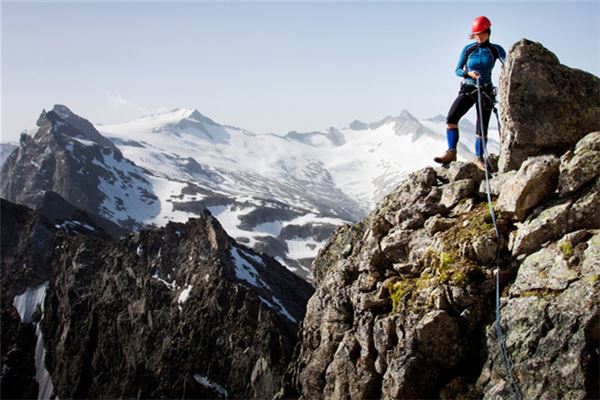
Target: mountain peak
(357, 125)
(63, 112)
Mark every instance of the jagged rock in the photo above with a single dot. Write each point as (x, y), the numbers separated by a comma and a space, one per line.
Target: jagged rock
(410, 219)
(437, 224)
(545, 269)
(464, 206)
(535, 181)
(580, 167)
(456, 191)
(182, 311)
(555, 221)
(418, 188)
(497, 183)
(481, 250)
(395, 245)
(537, 230)
(552, 322)
(546, 107)
(464, 170)
(407, 269)
(404, 278)
(339, 247)
(590, 142)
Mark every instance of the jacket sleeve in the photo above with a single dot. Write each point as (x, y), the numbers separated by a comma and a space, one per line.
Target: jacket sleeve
(462, 62)
(501, 53)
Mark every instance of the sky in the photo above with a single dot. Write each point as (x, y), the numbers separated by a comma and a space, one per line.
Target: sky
(262, 66)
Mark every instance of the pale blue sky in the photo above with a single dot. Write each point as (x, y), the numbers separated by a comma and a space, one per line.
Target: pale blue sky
(266, 67)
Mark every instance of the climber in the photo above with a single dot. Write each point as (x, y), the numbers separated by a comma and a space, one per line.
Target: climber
(475, 63)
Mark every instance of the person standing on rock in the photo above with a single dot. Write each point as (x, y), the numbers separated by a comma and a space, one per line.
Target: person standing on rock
(476, 62)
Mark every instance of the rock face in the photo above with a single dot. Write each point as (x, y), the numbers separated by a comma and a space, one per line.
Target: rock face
(553, 323)
(545, 107)
(68, 156)
(28, 240)
(534, 182)
(404, 305)
(183, 311)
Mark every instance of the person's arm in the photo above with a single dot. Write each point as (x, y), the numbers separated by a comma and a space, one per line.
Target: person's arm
(462, 61)
(501, 53)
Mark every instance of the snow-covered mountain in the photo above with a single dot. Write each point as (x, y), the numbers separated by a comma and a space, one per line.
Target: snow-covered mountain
(281, 194)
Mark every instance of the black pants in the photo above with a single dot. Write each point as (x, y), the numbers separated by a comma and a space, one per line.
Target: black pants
(467, 96)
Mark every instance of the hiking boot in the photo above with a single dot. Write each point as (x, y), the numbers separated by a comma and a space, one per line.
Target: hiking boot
(480, 162)
(448, 157)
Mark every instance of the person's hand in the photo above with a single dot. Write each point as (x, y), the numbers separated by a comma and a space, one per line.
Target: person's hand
(474, 74)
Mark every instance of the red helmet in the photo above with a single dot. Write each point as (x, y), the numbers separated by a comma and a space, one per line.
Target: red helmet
(480, 24)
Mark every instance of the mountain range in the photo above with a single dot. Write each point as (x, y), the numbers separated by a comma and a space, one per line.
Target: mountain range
(280, 194)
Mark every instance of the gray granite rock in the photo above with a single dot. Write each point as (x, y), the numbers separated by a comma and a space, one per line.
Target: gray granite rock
(546, 107)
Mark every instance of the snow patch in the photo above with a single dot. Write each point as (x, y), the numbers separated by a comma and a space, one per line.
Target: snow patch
(68, 225)
(279, 307)
(205, 381)
(169, 285)
(303, 248)
(185, 293)
(270, 228)
(26, 305)
(245, 271)
(84, 142)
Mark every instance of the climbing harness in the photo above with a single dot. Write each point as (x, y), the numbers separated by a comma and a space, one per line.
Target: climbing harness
(499, 334)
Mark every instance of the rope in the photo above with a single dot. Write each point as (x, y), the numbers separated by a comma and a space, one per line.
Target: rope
(499, 334)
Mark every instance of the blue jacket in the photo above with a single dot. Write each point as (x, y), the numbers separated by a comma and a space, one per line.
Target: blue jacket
(480, 59)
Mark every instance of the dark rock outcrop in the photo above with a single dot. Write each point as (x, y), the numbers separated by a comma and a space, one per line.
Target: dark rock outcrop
(27, 240)
(179, 312)
(71, 219)
(546, 107)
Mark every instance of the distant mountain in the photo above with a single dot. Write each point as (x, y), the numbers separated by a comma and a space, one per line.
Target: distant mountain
(68, 156)
(281, 194)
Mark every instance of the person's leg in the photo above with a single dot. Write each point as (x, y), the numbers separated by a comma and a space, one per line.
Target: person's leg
(459, 108)
(481, 137)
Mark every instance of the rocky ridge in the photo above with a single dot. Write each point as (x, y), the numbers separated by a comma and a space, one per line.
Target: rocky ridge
(404, 305)
(182, 311)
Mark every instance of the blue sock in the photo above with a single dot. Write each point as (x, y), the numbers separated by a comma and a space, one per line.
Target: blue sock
(452, 137)
(479, 144)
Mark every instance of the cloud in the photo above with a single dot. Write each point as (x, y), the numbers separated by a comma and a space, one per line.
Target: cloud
(119, 102)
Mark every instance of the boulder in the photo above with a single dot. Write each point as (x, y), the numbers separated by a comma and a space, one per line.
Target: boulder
(456, 191)
(464, 170)
(556, 220)
(437, 224)
(535, 181)
(581, 166)
(497, 183)
(546, 107)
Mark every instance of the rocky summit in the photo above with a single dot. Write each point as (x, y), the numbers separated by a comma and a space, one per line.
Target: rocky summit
(405, 300)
